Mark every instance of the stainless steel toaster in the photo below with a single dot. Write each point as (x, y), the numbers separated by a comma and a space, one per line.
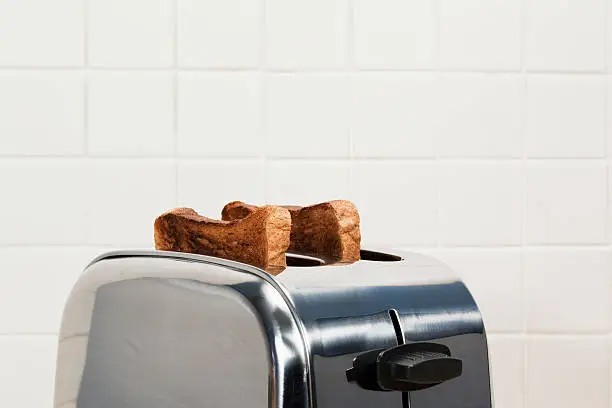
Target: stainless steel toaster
(154, 329)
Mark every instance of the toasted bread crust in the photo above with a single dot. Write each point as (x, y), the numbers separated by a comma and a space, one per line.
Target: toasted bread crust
(328, 230)
(236, 210)
(259, 239)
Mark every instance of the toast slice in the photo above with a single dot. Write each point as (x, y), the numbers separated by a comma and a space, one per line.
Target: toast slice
(327, 230)
(261, 238)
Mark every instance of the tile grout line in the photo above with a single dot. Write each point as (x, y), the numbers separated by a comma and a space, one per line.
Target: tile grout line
(607, 146)
(606, 124)
(437, 158)
(85, 78)
(350, 67)
(523, 136)
(175, 91)
(364, 71)
(263, 97)
(478, 161)
(438, 172)
(523, 139)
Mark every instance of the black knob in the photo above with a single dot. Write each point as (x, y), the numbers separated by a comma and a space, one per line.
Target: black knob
(416, 366)
(407, 367)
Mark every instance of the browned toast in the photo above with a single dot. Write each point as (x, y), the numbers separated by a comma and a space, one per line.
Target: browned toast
(260, 238)
(327, 230)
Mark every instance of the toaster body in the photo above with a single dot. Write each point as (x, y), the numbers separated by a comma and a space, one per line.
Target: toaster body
(169, 330)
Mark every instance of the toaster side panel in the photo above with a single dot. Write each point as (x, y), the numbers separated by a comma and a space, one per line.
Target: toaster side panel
(162, 343)
(156, 329)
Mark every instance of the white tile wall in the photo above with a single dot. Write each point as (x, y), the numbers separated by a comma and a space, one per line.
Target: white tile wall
(41, 33)
(311, 108)
(28, 369)
(35, 273)
(130, 33)
(55, 100)
(307, 181)
(566, 204)
(123, 196)
(244, 180)
(219, 114)
(217, 34)
(130, 113)
(478, 131)
(43, 202)
(479, 116)
(565, 116)
(306, 34)
(480, 204)
(580, 302)
(508, 370)
(567, 372)
(394, 34)
(462, 43)
(393, 114)
(404, 185)
(564, 35)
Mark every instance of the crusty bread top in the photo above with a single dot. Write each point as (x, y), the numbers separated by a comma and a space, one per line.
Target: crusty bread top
(191, 214)
(236, 210)
(260, 239)
(328, 230)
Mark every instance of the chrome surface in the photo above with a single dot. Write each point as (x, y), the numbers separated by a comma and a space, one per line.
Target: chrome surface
(153, 329)
(160, 343)
(346, 310)
(311, 322)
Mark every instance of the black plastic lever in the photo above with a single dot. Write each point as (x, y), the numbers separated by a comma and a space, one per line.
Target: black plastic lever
(416, 366)
(407, 367)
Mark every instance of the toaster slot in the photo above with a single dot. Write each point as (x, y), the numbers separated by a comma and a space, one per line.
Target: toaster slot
(367, 255)
(302, 260)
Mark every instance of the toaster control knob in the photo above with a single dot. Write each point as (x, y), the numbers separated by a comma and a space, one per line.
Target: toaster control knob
(416, 366)
(407, 367)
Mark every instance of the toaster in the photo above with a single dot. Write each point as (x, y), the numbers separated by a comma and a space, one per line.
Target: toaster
(155, 329)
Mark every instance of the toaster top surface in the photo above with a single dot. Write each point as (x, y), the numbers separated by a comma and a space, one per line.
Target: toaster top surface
(376, 268)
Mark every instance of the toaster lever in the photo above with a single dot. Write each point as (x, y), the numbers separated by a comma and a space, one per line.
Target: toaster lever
(416, 366)
(407, 367)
